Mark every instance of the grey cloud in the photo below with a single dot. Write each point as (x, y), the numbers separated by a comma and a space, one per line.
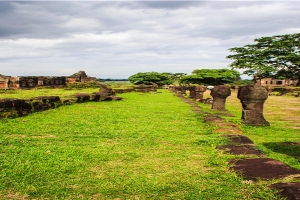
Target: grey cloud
(126, 37)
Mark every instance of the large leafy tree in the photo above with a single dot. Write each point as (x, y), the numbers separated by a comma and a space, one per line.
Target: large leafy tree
(211, 77)
(277, 56)
(150, 78)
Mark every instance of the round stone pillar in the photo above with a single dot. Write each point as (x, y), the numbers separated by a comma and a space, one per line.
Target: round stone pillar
(253, 98)
(219, 94)
(199, 90)
(183, 89)
(192, 91)
(270, 90)
(236, 88)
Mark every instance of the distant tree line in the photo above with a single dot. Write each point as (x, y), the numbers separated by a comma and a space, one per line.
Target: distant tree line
(111, 79)
(198, 76)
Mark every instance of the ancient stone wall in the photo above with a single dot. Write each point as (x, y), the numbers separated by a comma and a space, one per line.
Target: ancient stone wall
(11, 108)
(9, 82)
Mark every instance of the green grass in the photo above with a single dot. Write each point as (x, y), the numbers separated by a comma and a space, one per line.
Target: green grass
(147, 146)
(282, 112)
(62, 92)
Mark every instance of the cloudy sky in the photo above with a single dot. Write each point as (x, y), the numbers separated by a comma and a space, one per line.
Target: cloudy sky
(117, 39)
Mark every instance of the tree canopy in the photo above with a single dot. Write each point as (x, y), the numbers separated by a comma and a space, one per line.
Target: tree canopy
(276, 56)
(150, 78)
(211, 77)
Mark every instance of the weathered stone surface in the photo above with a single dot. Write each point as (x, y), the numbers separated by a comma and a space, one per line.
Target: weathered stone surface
(82, 97)
(236, 88)
(192, 91)
(291, 191)
(219, 94)
(262, 168)
(146, 88)
(106, 91)
(207, 101)
(183, 89)
(199, 91)
(252, 98)
(238, 139)
(270, 89)
(211, 118)
(241, 150)
(20, 107)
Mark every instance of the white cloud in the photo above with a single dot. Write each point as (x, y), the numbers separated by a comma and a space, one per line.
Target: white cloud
(118, 39)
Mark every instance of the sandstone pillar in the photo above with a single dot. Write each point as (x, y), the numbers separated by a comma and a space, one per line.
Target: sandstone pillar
(192, 91)
(253, 98)
(183, 89)
(236, 88)
(199, 90)
(270, 90)
(219, 94)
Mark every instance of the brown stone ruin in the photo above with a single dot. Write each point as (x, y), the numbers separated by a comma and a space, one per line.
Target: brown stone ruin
(20, 82)
(219, 94)
(270, 90)
(192, 90)
(182, 90)
(236, 88)
(199, 91)
(252, 98)
(145, 88)
(4, 82)
(19, 107)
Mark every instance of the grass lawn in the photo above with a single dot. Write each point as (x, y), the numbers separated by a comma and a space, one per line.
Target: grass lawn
(147, 146)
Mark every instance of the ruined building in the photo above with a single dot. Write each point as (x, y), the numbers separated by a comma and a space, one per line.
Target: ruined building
(276, 82)
(9, 82)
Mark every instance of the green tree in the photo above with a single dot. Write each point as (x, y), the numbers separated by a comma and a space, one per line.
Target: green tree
(211, 77)
(277, 56)
(150, 78)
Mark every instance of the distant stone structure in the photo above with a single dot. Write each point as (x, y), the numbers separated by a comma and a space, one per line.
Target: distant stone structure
(276, 82)
(253, 98)
(192, 90)
(199, 91)
(4, 81)
(19, 82)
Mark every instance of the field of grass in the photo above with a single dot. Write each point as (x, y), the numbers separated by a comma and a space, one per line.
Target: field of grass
(147, 146)
(62, 92)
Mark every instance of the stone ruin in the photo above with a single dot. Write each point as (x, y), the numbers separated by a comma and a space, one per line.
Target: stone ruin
(145, 88)
(20, 107)
(219, 94)
(236, 88)
(252, 98)
(192, 90)
(19, 82)
(199, 91)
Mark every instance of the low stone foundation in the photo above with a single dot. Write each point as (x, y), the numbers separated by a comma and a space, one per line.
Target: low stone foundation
(11, 108)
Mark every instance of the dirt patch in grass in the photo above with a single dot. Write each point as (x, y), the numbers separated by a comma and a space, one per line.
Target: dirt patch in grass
(262, 168)
(239, 139)
(291, 191)
(241, 150)
(16, 196)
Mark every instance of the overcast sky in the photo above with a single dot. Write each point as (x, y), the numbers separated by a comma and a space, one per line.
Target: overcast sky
(117, 39)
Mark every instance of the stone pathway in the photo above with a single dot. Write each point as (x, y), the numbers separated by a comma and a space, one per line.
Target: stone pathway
(259, 168)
